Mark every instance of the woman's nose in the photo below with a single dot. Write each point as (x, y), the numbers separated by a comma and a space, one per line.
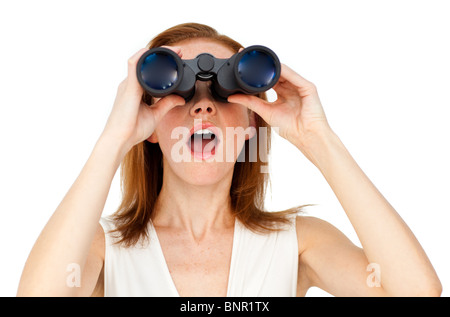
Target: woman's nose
(203, 102)
(203, 107)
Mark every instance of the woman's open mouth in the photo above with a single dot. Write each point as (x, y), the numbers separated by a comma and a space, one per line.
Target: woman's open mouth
(203, 141)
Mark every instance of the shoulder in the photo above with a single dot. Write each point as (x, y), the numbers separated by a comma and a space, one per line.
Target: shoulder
(327, 258)
(313, 232)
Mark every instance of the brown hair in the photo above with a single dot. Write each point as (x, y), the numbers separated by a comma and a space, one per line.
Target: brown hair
(141, 172)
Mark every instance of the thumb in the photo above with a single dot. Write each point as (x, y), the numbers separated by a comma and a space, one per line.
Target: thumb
(258, 105)
(160, 108)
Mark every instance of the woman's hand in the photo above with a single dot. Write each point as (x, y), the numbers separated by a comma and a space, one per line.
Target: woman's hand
(297, 113)
(131, 120)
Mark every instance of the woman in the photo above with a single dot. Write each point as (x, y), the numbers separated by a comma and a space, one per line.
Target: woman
(198, 228)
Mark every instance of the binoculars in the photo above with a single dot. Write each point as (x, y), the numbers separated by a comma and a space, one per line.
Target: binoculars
(161, 72)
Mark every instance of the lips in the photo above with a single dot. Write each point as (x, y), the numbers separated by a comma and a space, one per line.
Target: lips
(204, 138)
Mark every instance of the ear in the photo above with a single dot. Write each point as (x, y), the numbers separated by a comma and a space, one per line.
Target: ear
(251, 125)
(153, 138)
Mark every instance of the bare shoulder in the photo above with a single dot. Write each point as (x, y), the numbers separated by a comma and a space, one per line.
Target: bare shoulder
(330, 261)
(313, 231)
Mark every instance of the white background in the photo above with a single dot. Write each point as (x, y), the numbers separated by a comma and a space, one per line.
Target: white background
(382, 69)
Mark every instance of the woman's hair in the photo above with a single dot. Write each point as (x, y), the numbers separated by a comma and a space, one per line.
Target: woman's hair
(142, 172)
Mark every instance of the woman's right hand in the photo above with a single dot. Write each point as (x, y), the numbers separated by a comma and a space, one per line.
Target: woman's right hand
(131, 120)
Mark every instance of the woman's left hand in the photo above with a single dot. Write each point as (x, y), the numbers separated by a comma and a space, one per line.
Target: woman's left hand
(297, 112)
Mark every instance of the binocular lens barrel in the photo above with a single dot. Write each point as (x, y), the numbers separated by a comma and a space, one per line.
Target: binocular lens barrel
(159, 71)
(257, 69)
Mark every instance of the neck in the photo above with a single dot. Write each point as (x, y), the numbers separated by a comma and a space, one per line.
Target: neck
(193, 209)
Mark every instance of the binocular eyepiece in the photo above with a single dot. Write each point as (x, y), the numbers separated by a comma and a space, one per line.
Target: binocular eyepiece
(161, 72)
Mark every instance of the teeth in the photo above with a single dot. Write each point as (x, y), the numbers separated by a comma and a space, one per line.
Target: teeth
(203, 131)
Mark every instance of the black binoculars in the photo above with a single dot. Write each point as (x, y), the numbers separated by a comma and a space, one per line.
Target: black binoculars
(161, 72)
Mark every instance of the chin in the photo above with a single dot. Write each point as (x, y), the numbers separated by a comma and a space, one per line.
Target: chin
(205, 173)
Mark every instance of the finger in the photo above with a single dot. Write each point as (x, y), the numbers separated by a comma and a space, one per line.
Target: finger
(254, 103)
(133, 60)
(164, 105)
(132, 82)
(285, 89)
(176, 49)
(289, 75)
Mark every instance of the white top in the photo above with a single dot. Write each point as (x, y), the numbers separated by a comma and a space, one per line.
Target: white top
(261, 265)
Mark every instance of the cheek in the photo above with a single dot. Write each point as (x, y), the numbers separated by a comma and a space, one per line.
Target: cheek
(235, 138)
(173, 145)
(237, 131)
(169, 132)
(237, 116)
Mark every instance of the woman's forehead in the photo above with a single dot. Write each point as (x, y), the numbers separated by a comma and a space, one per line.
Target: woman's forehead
(191, 48)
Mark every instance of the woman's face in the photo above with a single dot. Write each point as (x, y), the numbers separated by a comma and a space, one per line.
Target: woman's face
(201, 140)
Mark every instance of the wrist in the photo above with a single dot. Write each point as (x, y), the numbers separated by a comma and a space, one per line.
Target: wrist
(112, 147)
(320, 146)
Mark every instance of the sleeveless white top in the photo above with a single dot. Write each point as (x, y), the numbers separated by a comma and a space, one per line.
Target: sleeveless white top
(261, 265)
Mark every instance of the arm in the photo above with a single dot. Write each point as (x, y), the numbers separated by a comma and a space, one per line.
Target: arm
(387, 241)
(72, 238)
(330, 261)
(66, 239)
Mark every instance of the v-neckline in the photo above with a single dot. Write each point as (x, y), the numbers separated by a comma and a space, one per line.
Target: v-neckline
(166, 270)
